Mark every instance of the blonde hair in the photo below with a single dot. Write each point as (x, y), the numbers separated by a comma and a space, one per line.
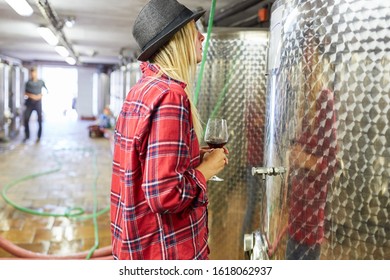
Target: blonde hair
(177, 59)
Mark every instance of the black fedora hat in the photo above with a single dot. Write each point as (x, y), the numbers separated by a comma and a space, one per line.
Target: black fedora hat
(157, 22)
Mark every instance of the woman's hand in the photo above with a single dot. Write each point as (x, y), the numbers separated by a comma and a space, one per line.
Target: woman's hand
(203, 150)
(206, 149)
(213, 161)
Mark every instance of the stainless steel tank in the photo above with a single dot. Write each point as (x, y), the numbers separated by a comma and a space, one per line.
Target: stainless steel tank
(121, 80)
(11, 99)
(117, 93)
(5, 112)
(233, 87)
(16, 100)
(328, 124)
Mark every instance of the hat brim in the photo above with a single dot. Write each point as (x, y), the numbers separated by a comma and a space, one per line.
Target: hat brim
(165, 36)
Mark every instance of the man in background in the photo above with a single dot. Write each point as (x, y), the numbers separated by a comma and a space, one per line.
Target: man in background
(33, 94)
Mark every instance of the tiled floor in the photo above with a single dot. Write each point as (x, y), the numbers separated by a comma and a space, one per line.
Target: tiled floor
(65, 173)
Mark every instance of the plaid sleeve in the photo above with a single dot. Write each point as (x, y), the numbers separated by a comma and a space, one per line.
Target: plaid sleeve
(170, 182)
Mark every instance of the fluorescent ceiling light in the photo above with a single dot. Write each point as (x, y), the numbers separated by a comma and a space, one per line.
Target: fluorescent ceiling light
(70, 60)
(69, 22)
(21, 7)
(48, 35)
(62, 51)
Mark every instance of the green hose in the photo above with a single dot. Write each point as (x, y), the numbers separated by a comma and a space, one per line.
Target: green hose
(94, 218)
(204, 58)
(205, 50)
(75, 212)
(222, 94)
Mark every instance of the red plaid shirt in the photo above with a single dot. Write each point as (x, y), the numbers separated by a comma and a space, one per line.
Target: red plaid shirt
(158, 199)
(310, 187)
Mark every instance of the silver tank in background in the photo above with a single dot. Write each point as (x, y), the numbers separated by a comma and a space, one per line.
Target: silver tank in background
(4, 101)
(121, 80)
(12, 80)
(328, 124)
(234, 87)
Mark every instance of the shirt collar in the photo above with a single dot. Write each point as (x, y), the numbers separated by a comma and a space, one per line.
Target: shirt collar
(150, 69)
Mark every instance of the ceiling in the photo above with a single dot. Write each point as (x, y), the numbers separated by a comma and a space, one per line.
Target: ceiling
(102, 29)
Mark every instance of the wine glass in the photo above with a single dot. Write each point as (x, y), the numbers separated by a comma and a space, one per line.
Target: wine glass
(216, 136)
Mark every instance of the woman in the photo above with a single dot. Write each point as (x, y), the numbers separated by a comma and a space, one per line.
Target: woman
(158, 190)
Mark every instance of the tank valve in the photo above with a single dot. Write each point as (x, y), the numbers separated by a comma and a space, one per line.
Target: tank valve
(255, 246)
(270, 171)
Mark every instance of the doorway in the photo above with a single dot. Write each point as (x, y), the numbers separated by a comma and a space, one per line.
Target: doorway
(62, 86)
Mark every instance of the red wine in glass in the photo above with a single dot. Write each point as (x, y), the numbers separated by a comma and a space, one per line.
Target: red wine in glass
(216, 136)
(216, 143)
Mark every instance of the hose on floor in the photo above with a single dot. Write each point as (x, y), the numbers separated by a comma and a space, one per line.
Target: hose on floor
(20, 253)
(75, 212)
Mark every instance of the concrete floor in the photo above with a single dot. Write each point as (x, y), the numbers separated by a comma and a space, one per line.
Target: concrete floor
(66, 170)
